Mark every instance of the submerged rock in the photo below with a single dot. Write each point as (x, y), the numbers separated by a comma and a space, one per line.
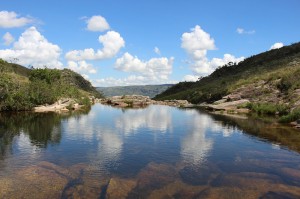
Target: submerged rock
(153, 176)
(196, 175)
(44, 180)
(119, 188)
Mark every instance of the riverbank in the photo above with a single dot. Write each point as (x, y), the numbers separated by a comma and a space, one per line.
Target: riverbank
(232, 105)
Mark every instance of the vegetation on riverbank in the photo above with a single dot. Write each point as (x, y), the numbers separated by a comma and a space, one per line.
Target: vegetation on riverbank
(270, 81)
(22, 88)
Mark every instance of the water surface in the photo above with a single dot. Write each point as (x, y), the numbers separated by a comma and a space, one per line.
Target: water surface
(156, 152)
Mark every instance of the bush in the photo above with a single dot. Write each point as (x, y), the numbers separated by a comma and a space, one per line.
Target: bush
(293, 116)
(85, 101)
(268, 108)
(48, 75)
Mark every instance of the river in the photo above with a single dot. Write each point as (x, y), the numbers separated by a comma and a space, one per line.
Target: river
(155, 152)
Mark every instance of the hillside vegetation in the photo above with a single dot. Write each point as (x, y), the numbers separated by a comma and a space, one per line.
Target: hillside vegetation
(269, 82)
(22, 88)
(278, 69)
(146, 90)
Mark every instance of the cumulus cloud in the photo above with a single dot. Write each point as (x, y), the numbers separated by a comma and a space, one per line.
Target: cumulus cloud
(243, 31)
(190, 78)
(32, 48)
(112, 43)
(156, 50)
(8, 39)
(155, 68)
(276, 45)
(97, 23)
(196, 43)
(81, 67)
(13, 20)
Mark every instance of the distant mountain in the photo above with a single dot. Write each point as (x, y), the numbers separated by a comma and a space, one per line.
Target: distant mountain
(146, 90)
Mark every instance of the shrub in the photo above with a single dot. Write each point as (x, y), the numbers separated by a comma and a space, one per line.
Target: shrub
(268, 108)
(293, 116)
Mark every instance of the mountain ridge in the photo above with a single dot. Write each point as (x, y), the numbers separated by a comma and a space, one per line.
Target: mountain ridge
(146, 90)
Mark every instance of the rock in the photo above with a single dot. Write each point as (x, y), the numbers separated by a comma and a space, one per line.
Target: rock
(199, 175)
(227, 105)
(119, 188)
(153, 176)
(278, 195)
(44, 180)
(120, 104)
(233, 97)
(137, 101)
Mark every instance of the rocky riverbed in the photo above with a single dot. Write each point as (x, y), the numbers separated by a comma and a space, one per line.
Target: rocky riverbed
(139, 101)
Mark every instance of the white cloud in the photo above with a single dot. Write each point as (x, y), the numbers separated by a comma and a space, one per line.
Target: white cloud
(204, 66)
(276, 45)
(155, 68)
(13, 20)
(156, 50)
(97, 23)
(243, 31)
(81, 67)
(32, 48)
(190, 78)
(112, 43)
(197, 43)
(85, 76)
(216, 62)
(8, 39)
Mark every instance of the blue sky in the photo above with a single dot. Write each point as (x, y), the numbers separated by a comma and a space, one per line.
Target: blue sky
(130, 42)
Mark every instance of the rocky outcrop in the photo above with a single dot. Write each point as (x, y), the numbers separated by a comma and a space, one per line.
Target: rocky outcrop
(62, 105)
(228, 106)
(138, 101)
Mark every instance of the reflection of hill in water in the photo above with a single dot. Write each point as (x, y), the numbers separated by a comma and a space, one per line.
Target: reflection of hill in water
(41, 128)
(271, 132)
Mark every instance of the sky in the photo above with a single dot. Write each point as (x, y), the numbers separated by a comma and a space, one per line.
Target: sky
(138, 42)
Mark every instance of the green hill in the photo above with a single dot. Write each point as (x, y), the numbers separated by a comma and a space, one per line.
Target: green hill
(22, 88)
(146, 90)
(269, 76)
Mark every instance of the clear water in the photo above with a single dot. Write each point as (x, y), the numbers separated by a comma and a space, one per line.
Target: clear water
(156, 152)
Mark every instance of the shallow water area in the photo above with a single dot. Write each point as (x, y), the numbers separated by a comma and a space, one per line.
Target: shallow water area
(155, 152)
